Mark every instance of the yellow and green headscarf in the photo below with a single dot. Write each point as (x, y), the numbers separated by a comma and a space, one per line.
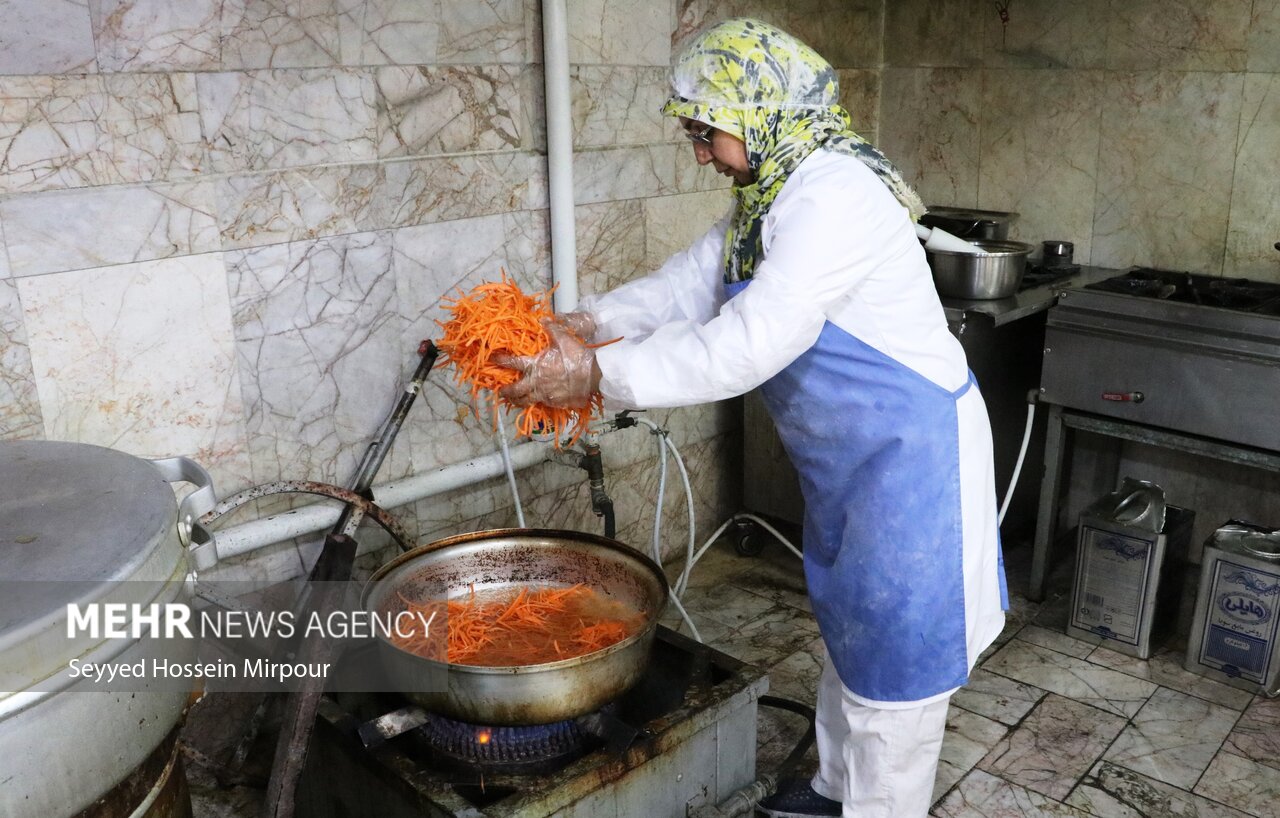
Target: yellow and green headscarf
(777, 95)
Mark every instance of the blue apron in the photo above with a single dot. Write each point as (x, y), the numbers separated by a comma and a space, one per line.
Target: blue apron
(877, 449)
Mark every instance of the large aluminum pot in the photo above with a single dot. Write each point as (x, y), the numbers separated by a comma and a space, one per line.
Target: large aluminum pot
(507, 559)
(968, 223)
(79, 524)
(994, 273)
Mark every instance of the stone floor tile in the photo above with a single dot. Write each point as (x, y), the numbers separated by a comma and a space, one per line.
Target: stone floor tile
(1054, 746)
(1243, 784)
(1165, 669)
(997, 697)
(1257, 734)
(1173, 738)
(982, 795)
(1115, 792)
(1073, 678)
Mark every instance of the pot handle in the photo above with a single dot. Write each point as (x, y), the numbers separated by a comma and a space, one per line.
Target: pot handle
(195, 505)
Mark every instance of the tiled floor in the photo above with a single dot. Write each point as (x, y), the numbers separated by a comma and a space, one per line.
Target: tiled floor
(1047, 726)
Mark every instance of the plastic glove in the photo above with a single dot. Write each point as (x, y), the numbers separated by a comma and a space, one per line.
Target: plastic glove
(562, 375)
(581, 323)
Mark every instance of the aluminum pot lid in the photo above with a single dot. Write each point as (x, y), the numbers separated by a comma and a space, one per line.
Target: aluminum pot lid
(966, 214)
(75, 521)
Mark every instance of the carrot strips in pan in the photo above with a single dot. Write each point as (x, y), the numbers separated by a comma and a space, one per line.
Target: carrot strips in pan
(529, 627)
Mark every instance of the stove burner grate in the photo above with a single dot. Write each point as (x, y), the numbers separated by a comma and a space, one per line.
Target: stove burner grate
(1238, 294)
(521, 749)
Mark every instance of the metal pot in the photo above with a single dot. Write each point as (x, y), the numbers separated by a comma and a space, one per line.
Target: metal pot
(994, 273)
(81, 523)
(511, 558)
(970, 224)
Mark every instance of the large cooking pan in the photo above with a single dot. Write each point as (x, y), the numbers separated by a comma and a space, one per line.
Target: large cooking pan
(508, 559)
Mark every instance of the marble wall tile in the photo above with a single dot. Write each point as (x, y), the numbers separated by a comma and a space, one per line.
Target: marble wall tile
(279, 34)
(931, 132)
(1173, 738)
(620, 32)
(1178, 36)
(63, 230)
(1254, 224)
(1115, 791)
(1051, 190)
(256, 120)
(104, 343)
(610, 174)
(1047, 34)
(48, 37)
(77, 130)
(424, 110)
(997, 697)
(293, 205)
(486, 31)
(4, 255)
(860, 96)
(672, 223)
(846, 32)
(610, 243)
(933, 33)
(142, 35)
(1264, 36)
(20, 416)
(1243, 784)
(1165, 669)
(1074, 678)
(1256, 735)
(1055, 745)
(1153, 173)
(981, 795)
(618, 104)
(414, 32)
(389, 32)
(320, 342)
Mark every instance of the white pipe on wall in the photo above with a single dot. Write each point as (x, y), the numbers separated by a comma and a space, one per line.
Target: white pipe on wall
(564, 249)
(241, 539)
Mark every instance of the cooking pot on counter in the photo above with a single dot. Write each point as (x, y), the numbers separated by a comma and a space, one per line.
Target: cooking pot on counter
(79, 524)
(970, 224)
(507, 559)
(996, 272)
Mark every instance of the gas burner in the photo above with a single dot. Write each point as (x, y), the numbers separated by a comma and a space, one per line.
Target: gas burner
(1239, 294)
(517, 750)
(1038, 275)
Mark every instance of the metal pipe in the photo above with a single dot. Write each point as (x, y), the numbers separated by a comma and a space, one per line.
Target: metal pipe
(246, 537)
(555, 59)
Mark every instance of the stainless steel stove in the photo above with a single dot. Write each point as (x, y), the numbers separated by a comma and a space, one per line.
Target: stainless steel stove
(688, 738)
(1170, 349)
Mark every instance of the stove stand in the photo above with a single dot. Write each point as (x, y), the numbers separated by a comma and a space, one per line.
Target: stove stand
(692, 738)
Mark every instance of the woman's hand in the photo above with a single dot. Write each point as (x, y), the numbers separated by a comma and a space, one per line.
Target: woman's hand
(563, 375)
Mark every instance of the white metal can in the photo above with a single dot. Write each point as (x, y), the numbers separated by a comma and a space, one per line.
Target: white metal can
(1236, 635)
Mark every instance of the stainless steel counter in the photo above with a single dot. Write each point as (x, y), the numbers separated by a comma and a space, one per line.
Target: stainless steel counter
(1028, 302)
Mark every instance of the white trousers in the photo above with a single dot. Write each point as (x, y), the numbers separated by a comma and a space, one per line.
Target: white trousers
(880, 763)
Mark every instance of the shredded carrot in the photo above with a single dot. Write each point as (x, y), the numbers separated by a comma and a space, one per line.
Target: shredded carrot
(498, 318)
(529, 627)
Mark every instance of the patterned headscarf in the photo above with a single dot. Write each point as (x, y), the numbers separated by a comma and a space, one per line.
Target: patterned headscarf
(770, 90)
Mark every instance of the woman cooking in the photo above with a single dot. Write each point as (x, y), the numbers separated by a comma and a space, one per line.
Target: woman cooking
(816, 290)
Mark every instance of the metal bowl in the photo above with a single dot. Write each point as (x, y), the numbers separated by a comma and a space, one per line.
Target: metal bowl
(994, 273)
(511, 558)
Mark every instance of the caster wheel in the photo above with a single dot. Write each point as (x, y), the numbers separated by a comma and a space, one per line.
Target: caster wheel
(749, 540)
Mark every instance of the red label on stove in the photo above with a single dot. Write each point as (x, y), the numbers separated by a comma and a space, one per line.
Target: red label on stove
(1127, 397)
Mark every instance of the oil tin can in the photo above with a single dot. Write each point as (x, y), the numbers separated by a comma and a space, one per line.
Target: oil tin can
(1235, 637)
(1130, 559)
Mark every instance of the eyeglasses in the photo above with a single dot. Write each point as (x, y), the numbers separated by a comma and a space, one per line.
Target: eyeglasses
(702, 137)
